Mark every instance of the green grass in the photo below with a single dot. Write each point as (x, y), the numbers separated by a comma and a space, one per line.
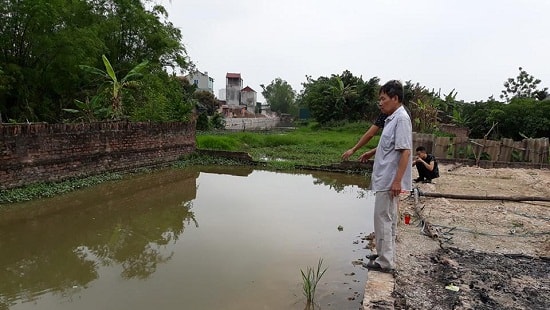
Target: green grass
(309, 145)
(310, 279)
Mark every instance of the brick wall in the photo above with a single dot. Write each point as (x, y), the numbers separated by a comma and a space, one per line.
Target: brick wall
(31, 153)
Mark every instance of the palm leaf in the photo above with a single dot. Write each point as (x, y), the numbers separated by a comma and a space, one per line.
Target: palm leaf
(136, 71)
(93, 70)
(109, 68)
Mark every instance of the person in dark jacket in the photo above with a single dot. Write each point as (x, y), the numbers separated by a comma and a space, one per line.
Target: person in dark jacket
(426, 165)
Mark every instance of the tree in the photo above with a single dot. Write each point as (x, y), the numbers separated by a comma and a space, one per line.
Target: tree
(42, 43)
(523, 86)
(207, 104)
(117, 86)
(520, 117)
(162, 97)
(366, 104)
(429, 107)
(207, 101)
(342, 94)
(279, 95)
(340, 97)
(523, 117)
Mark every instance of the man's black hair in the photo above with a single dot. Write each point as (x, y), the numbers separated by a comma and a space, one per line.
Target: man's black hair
(393, 88)
(421, 149)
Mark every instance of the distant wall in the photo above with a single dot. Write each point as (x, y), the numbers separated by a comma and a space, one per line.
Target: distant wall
(32, 153)
(250, 123)
(455, 130)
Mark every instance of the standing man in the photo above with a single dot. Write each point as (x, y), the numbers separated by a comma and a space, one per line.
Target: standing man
(391, 173)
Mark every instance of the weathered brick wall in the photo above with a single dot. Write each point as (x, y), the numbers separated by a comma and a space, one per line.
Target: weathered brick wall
(52, 152)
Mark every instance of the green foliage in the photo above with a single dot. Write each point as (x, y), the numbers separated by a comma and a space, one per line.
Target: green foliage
(340, 97)
(202, 122)
(224, 143)
(278, 140)
(196, 159)
(310, 279)
(207, 105)
(42, 43)
(517, 156)
(280, 96)
(116, 86)
(425, 116)
(48, 189)
(428, 108)
(523, 86)
(90, 110)
(217, 121)
(207, 102)
(459, 117)
(161, 98)
(527, 116)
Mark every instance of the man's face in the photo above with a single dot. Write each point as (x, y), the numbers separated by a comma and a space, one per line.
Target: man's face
(386, 104)
(421, 154)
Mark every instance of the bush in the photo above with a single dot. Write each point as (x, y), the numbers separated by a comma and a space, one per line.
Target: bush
(217, 121)
(202, 122)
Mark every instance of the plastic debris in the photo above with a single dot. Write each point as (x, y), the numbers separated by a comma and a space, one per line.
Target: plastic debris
(452, 287)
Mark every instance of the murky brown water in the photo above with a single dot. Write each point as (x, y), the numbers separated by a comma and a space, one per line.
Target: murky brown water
(219, 238)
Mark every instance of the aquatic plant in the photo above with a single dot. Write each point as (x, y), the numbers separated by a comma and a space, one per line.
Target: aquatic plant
(311, 278)
(50, 189)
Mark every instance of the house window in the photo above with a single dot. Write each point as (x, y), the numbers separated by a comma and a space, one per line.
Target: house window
(196, 82)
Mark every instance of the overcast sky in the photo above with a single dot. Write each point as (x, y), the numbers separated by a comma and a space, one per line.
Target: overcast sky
(471, 46)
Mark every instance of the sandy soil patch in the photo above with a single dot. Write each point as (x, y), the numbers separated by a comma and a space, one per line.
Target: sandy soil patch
(497, 253)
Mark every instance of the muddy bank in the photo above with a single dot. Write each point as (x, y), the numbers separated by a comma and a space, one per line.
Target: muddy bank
(484, 281)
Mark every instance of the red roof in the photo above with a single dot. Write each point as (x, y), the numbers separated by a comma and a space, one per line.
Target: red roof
(233, 75)
(247, 88)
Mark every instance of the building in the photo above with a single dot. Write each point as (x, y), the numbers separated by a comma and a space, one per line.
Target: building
(201, 80)
(249, 98)
(234, 84)
(221, 94)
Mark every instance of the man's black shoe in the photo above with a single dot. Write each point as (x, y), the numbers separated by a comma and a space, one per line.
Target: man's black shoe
(372, 256)
(372, 265)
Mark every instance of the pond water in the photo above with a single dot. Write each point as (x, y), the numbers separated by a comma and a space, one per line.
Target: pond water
(214, 238)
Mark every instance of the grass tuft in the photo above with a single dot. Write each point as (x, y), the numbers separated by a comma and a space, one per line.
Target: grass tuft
(310, 279)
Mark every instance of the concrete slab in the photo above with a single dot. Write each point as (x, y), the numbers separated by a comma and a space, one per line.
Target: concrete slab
(378, 291)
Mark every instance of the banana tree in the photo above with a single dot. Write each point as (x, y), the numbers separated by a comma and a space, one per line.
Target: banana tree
(109, 75)
(341, 94)
(89, 110)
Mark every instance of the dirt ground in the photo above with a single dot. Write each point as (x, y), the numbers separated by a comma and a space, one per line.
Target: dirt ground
(495, 252)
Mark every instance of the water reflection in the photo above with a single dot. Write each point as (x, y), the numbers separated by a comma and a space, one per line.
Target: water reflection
(112, 224)
(339, 181)
(137, 243)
